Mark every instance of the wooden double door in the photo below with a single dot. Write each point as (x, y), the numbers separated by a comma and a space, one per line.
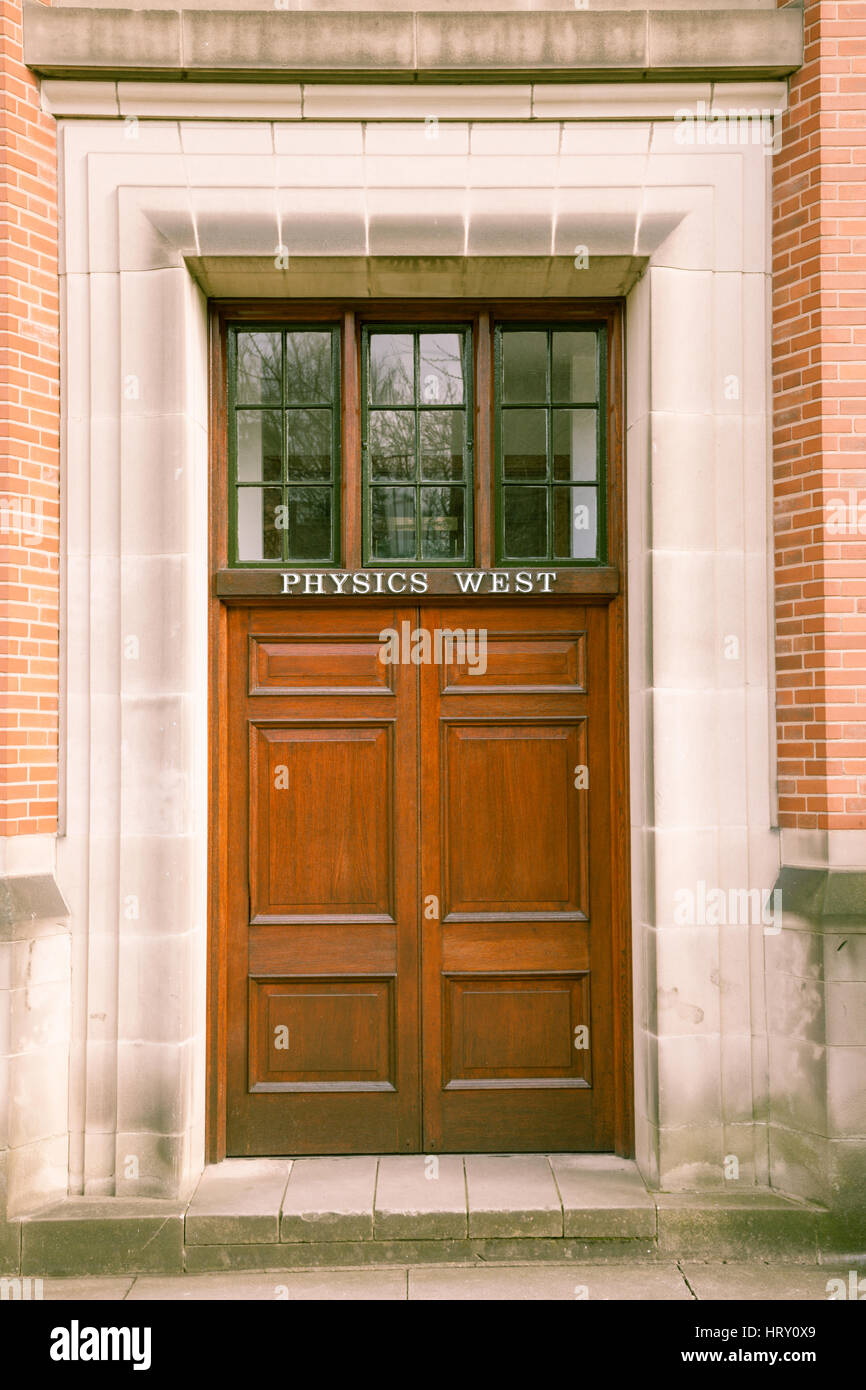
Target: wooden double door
(418, 879)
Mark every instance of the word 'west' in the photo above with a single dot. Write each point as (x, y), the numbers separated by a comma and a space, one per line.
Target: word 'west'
(399, 582)
(420, 647)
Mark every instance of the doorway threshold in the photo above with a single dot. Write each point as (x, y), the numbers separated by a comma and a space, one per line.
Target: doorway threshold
(285, 1213)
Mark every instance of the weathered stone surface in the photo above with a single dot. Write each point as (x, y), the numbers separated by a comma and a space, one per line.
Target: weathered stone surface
(86, 1290)
(98, 1235)
(736, 1225)
(602, 1196)
(332, 1253)
(630, 1281)
(357, 1285)
(512, 1195)
(329, 1199)
(419, 1198)
(618, 42)
(238, 1202)
(762, 1281)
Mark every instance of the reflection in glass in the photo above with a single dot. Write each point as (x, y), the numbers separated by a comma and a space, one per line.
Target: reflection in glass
(259, 517)
(392, 444)
(442, 444)
(524, 443)
(574, 445)
(308, 367)
(575, 523)
(574, 366)
(392, 369)
(525, 366)
(308, 522)
(442, 522)
(308, 444)
(259, 368)
(524, 511)
(259, 446)
(392, 523)
(441, 368)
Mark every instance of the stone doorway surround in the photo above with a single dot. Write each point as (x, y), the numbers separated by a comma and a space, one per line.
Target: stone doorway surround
(161, 211)
(163, 208)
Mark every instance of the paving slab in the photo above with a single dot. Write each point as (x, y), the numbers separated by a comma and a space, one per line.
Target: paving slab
(87, 1290)
(420, 1198)
(728, 1280)
(736, 1225)
(602, 1196)
(104, 1235)
(329, 1199)
(238, 1202)
(360, 1285)
(512, 1195)
(561, 1283)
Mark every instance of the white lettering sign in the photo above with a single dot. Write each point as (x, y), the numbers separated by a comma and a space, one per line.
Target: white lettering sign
(390, 582)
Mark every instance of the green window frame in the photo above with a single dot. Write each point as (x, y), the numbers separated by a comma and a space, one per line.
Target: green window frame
(284, 420)
(568, 500)
(418, 411)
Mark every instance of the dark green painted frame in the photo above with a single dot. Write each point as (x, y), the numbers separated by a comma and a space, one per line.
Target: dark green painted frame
(527, 326)
(336, 407)
(418, 407)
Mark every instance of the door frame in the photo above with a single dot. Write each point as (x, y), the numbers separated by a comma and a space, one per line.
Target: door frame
(583, 589)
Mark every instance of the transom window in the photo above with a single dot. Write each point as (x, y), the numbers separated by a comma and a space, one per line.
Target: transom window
(285, 445)
(548, 447)
(417, 445)
(433, 442)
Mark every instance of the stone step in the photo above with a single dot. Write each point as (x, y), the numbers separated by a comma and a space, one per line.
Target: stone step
(314, 1212)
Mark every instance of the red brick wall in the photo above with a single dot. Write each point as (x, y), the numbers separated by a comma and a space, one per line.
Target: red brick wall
(819, 351)
(29, 445)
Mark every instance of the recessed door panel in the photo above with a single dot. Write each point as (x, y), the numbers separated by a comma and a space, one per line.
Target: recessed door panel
(320, 843)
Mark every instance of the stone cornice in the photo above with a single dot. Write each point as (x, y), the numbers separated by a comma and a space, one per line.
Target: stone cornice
(276, 44)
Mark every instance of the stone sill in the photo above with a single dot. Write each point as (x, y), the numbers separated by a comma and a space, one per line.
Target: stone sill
(623, 45)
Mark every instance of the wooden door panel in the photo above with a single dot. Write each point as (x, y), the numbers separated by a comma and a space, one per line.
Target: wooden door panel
(515, 1030)
(514, 834)
(323, 886)
(327, 665)
(325, 854)
(321, 1034)
(512, 664)
(516, 853)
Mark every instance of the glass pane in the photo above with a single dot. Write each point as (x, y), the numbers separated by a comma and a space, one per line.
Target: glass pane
(524, 443)
(575, 523)
(392, 444)
(308, 367)
(259, 446)
(574, 445)
(442, 444)
(392, 370)
(259, 523)
(308, 444)
(525, 366)
(308, 522)
(574, 366)
(259, 368)
(441, 369)
(525, 521)
(392, 523)
(442, 522)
